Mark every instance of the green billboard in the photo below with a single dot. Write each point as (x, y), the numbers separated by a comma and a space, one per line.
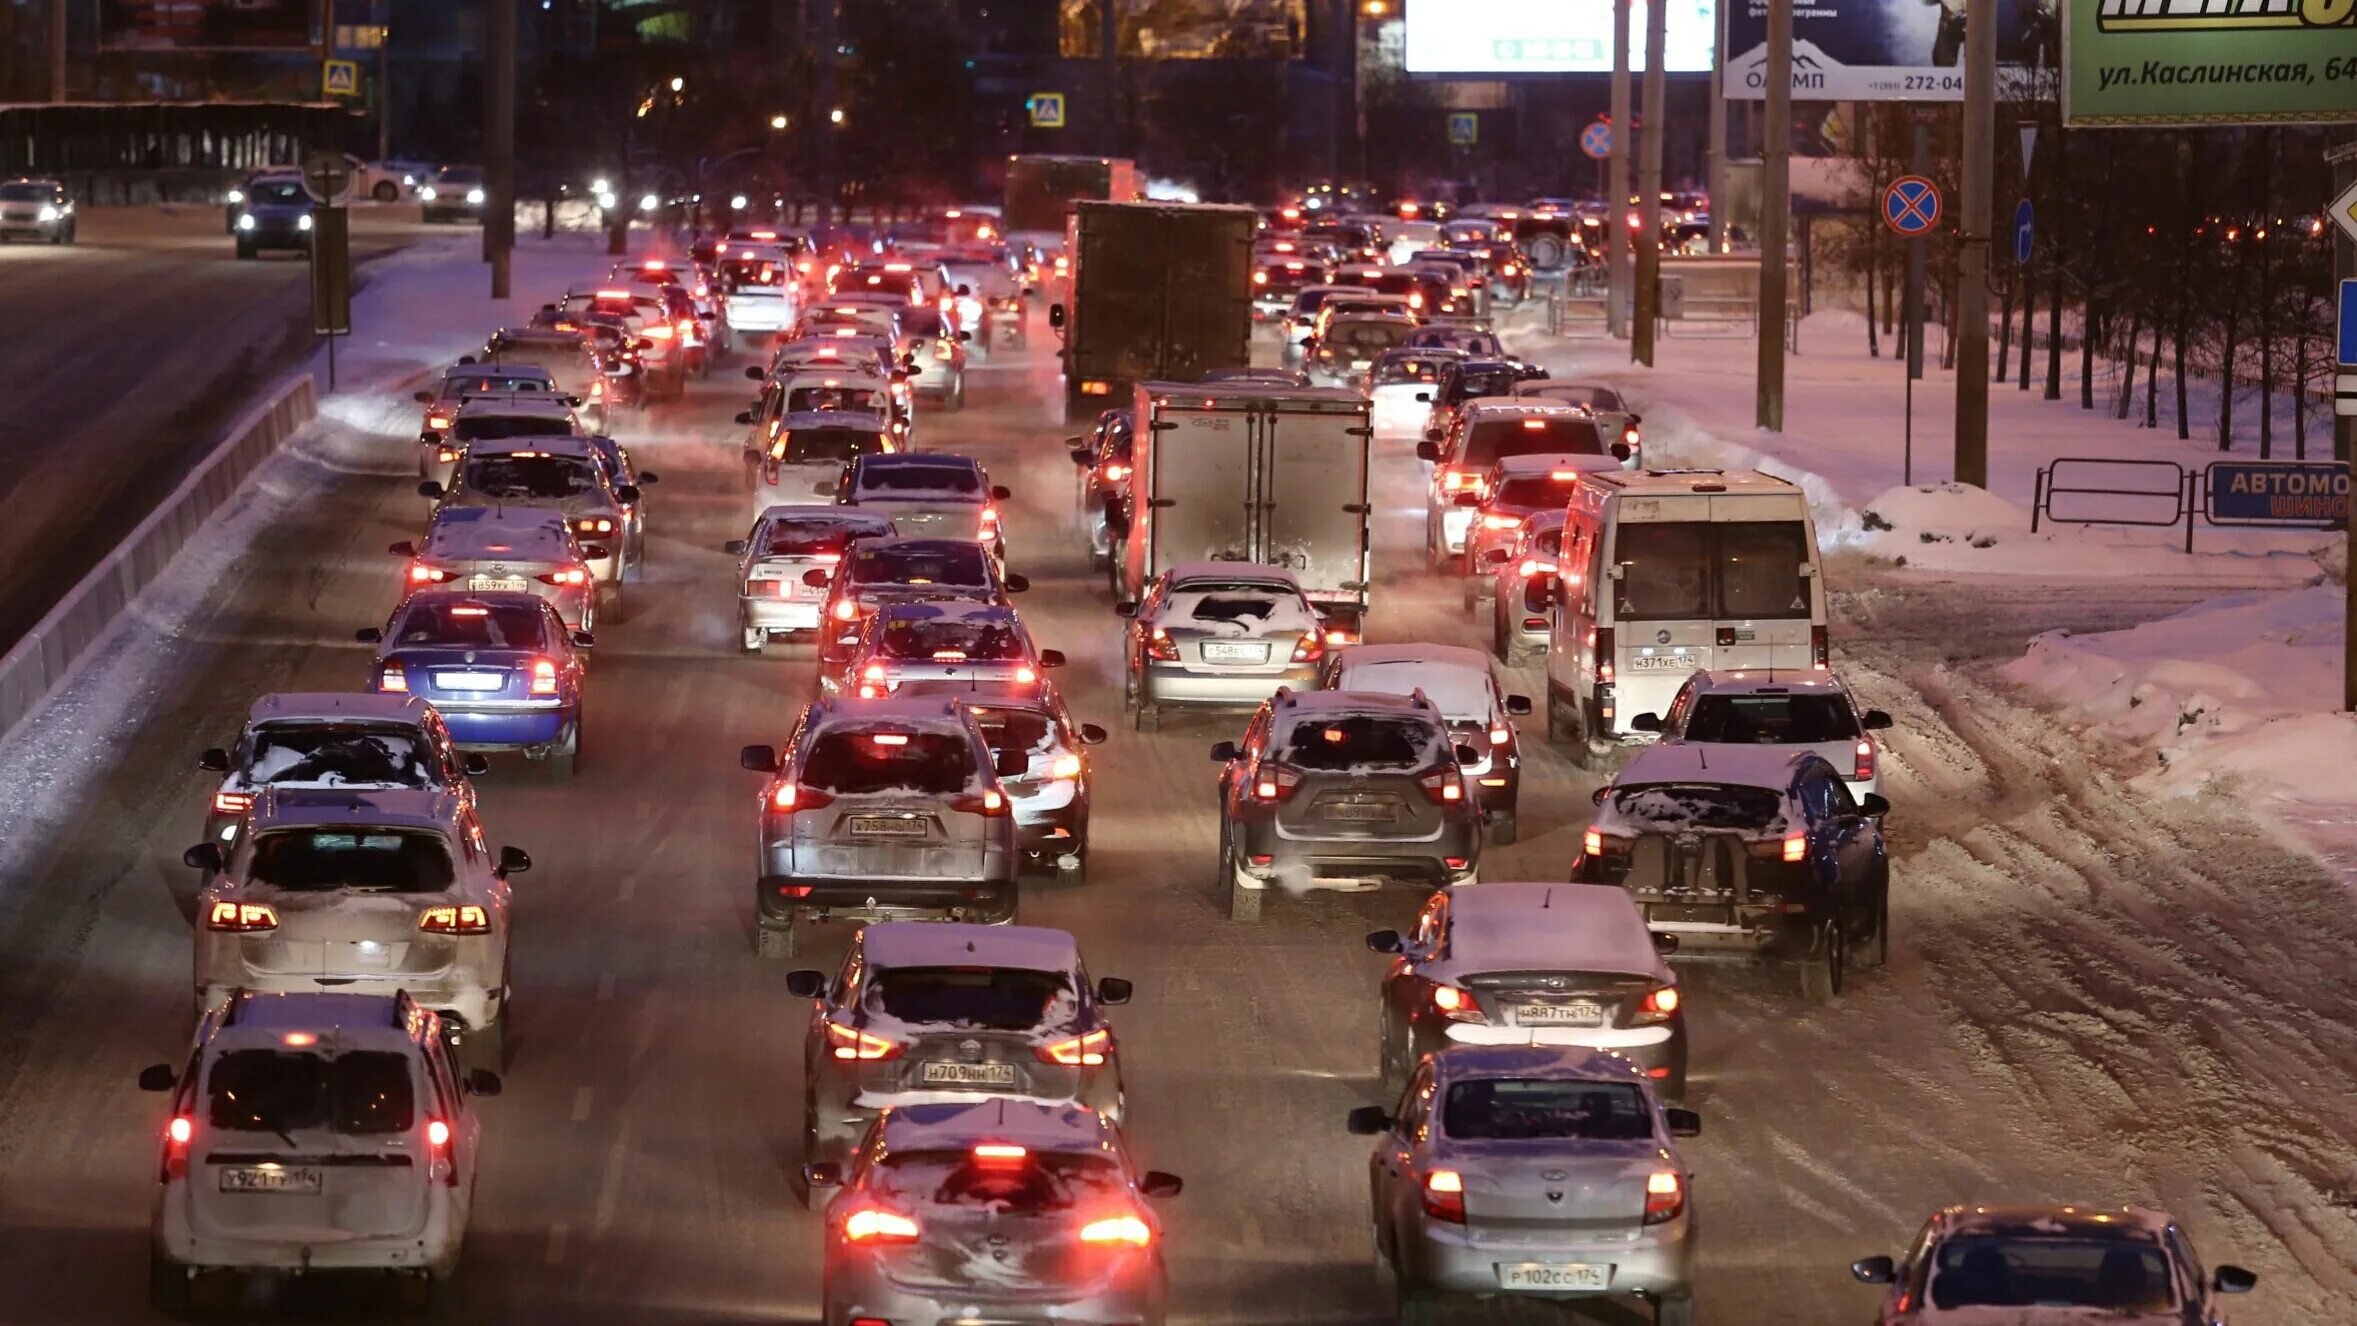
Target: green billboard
(2190, 62)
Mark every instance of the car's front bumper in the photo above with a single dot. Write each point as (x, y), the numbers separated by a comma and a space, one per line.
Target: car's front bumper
(1455, 1260)
(40, 229)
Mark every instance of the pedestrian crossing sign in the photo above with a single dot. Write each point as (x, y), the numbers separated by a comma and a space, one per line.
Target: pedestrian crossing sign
(340, 78)
(1047, 110)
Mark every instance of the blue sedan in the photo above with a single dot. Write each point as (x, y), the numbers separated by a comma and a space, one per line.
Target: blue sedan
(501, 669)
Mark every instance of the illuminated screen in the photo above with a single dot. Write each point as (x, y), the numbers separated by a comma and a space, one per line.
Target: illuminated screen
(1503, 38)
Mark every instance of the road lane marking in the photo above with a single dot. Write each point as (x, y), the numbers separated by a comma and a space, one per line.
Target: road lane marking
(609, 1188)
(556, 1243)
(581, 1105)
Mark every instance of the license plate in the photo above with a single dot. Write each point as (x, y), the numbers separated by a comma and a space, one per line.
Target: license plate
(1553, 1275)
(261, 1178)
(1664, 663)
(495, 584)
(967, 1075)
(469, 681)
(1219, 651)
(886, 826)
(1577, 1013)
(1358, 810)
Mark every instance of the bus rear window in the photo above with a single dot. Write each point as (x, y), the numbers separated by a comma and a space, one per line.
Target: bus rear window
(1714, 570)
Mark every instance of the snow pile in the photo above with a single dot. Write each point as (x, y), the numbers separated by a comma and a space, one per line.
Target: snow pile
(2239, 689)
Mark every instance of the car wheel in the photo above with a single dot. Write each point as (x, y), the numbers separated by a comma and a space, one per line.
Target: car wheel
(564, 758)
(1390, 1077)
(1502, 828)
(1675, 1310)
(809, 1195)
(1879, 954)
(386, 191)
(1072, 867)
(1821, 971)
(1099, 561)
(443, 1292)
(1147, 718)
(1243, 903)
(610, 602)
(245, 252)
(486, 1046)
(755, 638)
(1413, 1305)
(774, 940)
(167, 1285)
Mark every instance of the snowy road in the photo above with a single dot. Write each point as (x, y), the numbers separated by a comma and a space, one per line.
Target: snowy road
(2092, 996)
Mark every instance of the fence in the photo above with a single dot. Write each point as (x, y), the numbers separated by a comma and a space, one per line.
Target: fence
(49, 653)
(2160, 493)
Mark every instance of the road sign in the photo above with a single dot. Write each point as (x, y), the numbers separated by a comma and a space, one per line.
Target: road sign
(1596, 140)
(2278, 492)
(1047, 110)
(2348, 337)
(2025, 233)
(1911, 205)
(2344, 212)
(340, 78)
(327, 177)
(1464, 128)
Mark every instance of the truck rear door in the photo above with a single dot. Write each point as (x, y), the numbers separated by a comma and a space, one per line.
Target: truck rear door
(1201, 484)
(1313, 500)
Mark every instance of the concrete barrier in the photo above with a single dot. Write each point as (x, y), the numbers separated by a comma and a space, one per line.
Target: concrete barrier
(49, 653)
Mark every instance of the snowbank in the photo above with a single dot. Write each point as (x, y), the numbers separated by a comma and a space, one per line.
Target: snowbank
(1956, 527)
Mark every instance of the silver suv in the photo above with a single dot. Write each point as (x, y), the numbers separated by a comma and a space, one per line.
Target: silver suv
(1344, 790)
(786, 543)
(882, 810)
(931, 496)
(561, 474)
(1217, 635)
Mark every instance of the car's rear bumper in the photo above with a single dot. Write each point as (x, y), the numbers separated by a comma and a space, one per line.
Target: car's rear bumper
(434, 1247)
(857, 1287)
(775, 614)
(1178, 684)
(1451, 1260)
(505, 728)
(780, 898)
(1298, 862)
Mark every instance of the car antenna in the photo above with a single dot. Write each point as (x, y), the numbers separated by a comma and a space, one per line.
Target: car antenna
(969, 946)
(1547, 899)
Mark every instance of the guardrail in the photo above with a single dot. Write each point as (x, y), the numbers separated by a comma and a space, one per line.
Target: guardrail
(49, 653)
(2225, 493)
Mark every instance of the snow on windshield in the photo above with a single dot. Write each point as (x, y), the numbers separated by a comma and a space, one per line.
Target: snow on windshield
(336, 756)
(1671, 806)
(1239, 610)
(1362, 741)
(983, 998)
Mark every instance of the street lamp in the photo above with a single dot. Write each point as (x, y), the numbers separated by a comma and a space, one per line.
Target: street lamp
(835, 116)
(679, 85)
(777, 121)
(737, 203)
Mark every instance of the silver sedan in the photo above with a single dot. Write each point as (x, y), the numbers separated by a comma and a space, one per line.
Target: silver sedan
(1218, 635)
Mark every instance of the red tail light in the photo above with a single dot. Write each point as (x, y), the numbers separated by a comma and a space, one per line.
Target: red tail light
(684, 326)
(1115, 471)
(1087, 1050)
(569, 577)
(846, 610)
(1791, 849)
(1025, 675)
(851, 1043)
(1501, 522)
(1309, 649)
(232, 803)
(1160, 647)
(242, 918)
(1126, 1229)
(544, 677)
(438, 1151)
(1446, 787)
(1818, 649)
(465, 920)
(1276, 782)
(659, 332)
(986, 803)
(1456, 1005)
(1865, 769)
(1665, 1196)
(793, 796)
(874, 1224)
(178, 1132)
(1500, 734)
(421, 574)
(1444, 1196)
(1596, 842)
(393, 678)
(1658, 1004)
(593, 525)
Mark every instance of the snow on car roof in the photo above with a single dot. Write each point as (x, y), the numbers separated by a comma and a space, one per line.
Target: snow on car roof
(376, 807)
(1808, 680)
(337, 707)
(571, 446)
(952, 1127)
(1553, 1063)
(864, 421)
(952, 610)
(817, 513)
(1549, 927)
(1194, 610)
(319, 1011)
(928, 713)
(1315, 703)
(524, 534)
(2058, 1220)
(1182, 572)
(961, 944)
(1767, 767)
(1520, 406)
(534, 403)
(1451, 676)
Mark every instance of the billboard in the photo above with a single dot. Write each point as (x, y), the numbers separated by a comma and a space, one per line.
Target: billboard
(1506, 38)
(2210, 62)
(1880, 50)
(201, 25)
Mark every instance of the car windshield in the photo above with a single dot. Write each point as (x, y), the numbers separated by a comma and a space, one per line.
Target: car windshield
(1366, 337)
(1595, 398)
(1698, 570)
(948, 480)
(374, 860)
(996, 998)
(1771, 720)
(1530, 435)
(1483, 382)
(499, 427)
(961, 565)
(1359, 741)
(1406, 368)
(26, 193)
(2115, 1275)
(474, 383)
(1535, 491)
(1519, 1108)
(470, 626)
(952, 640)
(1039, 1183)
(1701, 806)
(519, 476)
(810, 537)
(337, 755)
(860, 763)
(273, 1091)
(830, 446)
(281, 192)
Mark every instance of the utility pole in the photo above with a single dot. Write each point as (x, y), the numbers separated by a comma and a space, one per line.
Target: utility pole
(57, 18)
(1109, 47)
(384, 83)
(822, 48)
(1340, 51)
(2343, 160)
(1649, 188)
(499, 136)
(1616, 200)
(1716, 165)
(1972, 259)
(1775, 206)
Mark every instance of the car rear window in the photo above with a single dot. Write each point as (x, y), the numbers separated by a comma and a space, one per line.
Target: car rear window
(337, 755)
(373, 860)
(1701, 806)
(1536, 490)
(1039, 1183)
(993, 998)
(2115, 1275)
(1704, 570)
(1483, 382)
(856, 763)
(1391, 369)
(470, 626)
(822, 446)
(365, 1092)
(807, 538)
(1513, 1109)
(1024, 730)
(888, 283)
(951, 640)
(1774, 720)
(954, 480)
(519, 477)
(1359, 741)
(1366, 337)
(804, 399)
(755, 273)
(1493, 440)
(960, 565)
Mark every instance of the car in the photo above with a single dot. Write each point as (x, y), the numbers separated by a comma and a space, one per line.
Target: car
(1531, 1171)
(1468, 379)
(276, 214)
(314, 1132)
(378, 183)
(1341, 354)
(623, 472)
(560, 474)
(1217, 635)
(1333, 789)
(332, 739)
(786, 542)
(1531, 964)
(697, 306)
(1295, 325)
(36, 209)
(514, 418)
(2051, 1264)
(791, 456)
(569, 357)
(1053, 794)
(1472, 342)
(1755, 852)
(759, 281)
(930, 495)
(1278, 277)
(936, 356)
(969, 644)
(378, 892)
(1103, 456)
(663, 360)
(880, 810)
(1516, 490)
(502, 670)
(457, 384)
(1522, 588)
(1485, 431)
(1049, 1189)
(900, 569)
(453, 193)
(490, 548)
(1614, 418)
(910, 283)
(236, 200)
(1478, 713)
(1780, 708)
(1399, 384)
(933, 1009)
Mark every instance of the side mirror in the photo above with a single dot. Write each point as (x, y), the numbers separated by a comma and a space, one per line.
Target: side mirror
(965, 290)
(1683, 1123)
(1370, 1121)
(745, 417)
(1126, 608)
(628, 492)
(572, 400)
(466, 359)
(1636, 419)
(1598, 796)
(513, 861)
(1874, 1270)
(367, 635)
(1016, 583)
(1664, 943)
(1496, 557)
(1620, 451)
(213, 758)
(584, 640)
(999, 492)
(1160, 1183)
(1423, 398)
(806, 984)
(594, 551)
(422, 397)
(475, 763)
(756, 372)
(483, 1082)
(736, 547)
(818, 578)
(1385, 941)
(1055, 315)
(429, 488)
(1467, 754)
(1875, 804)
(1091, 735)
(1113, 990)
(1646, 723)
(405, 548)
(1428, 451)
(1467, 498)
(203, 856)
(1010, 763)
(1435, 434)
(1518, 705)
(965, 336)
(2233, 1280)
(758, 759)
(1223, 753)
(822, 1174)
(1875, 720)
(1051, 658)
(830, 488)
(156, 1077)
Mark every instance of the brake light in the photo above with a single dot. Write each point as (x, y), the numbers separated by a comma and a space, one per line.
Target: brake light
(1160, 647)
(875, 672)
(1596, 842)
(544, 677)
(788, 796)
(1444, 1196)
(1001, 1151)
(846, 610)
(661, 331)
(1500, 734)
(1309, 649)
(422, 574)
(242, 918)
(1501, 522)
(1796, 847)
(1658, 1004)
(1118, 1229)
(1025, 675)
(872, 1224)
(1446, 787)
(1865, 769)
(986, 803)
(594, 525)
(1531, 566)
(1792, 848)
(1066, 766)
(852, 1043)
(1818, 647)
(1415, 300)
(1260, 278)
(598, 388)
(1276, 782)
(570, 576)
(1115, 471)
(989, 520)
(445, 455)
(1087, 1050)
(1665, 1196)
(232, 803)
(437, 422)
(177, 1134)
(393, 679)
(466, 920)
(1631, 436)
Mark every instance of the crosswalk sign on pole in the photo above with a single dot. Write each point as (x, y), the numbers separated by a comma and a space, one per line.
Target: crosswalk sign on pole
(1047, 110)
(1464, 128)
(340, 78)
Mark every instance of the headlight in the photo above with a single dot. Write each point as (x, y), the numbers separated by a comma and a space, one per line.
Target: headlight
(428, 194)
(409, 181)
(237, 195)
(474, 197)
(303, 222)
(49, 211)
(246, 222)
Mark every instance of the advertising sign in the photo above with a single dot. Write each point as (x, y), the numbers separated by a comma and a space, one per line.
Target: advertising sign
(1506, 38)
(1879, 50)
(200, 25)
(2260, 492)
(2160, 62)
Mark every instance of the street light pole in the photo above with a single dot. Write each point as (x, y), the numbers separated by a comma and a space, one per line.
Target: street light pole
(1775, 204)
(1972, 258)
(1649, 188)
(1616, 239)
(499, 162)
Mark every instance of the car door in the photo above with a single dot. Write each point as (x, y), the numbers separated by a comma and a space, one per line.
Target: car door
(1392, 1169)
(1406, 989)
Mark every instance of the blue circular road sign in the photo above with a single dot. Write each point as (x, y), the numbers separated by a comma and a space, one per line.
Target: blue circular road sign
(1596, 140)
(1911, 205)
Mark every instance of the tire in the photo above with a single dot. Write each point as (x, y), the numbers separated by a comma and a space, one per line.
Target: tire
(1076, 874)
(1390, 1075)
(610, 607)
(1504, 827)
(386, 192)
(1147, 719)
(245, 252)
(1546, 252)
(444, 1293)
(808, 1194)
(167, 1285)
(1675, 1310)
(1243, 903)
(564, 758)
(1824, 970)
(754, 639)
(775, 941)
(1414, 1306)
(486, 1047)
(1878, 954)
